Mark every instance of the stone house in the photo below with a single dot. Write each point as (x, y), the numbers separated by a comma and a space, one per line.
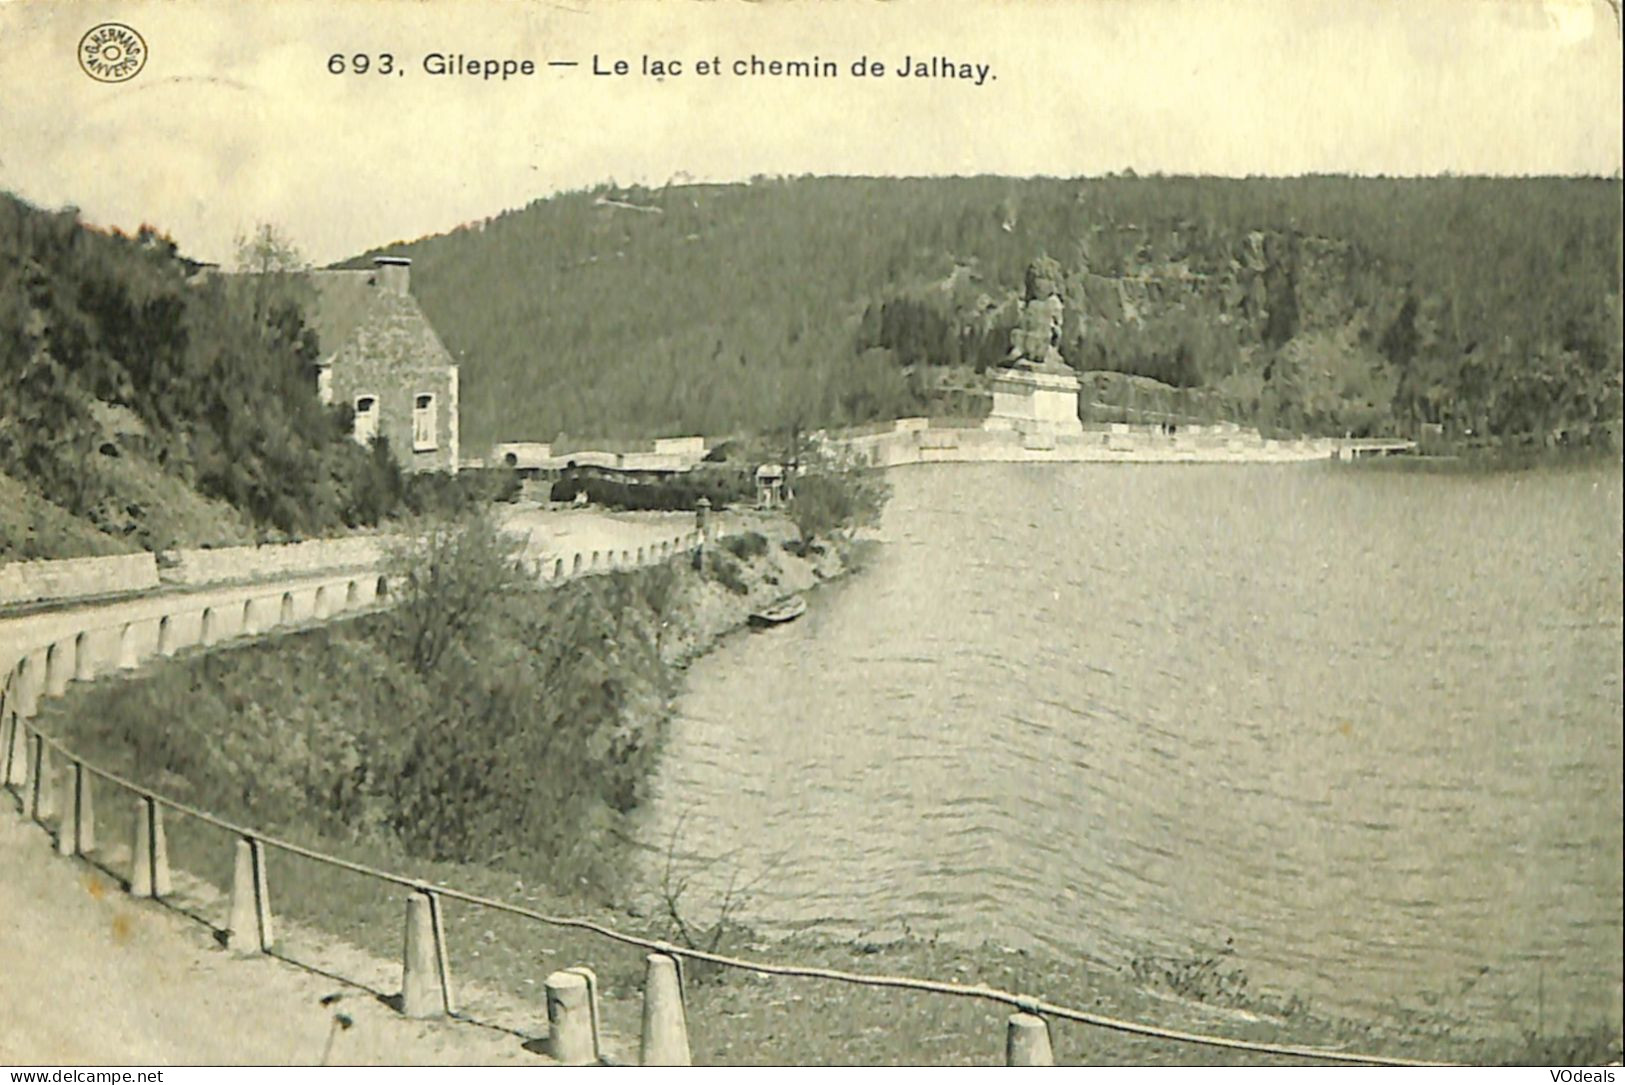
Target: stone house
(379, 355)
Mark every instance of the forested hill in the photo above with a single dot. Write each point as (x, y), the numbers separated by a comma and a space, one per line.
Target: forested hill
(1318, 304)
(143, 405)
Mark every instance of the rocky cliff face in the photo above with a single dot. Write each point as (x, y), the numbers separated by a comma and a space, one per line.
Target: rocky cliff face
(1216, 327)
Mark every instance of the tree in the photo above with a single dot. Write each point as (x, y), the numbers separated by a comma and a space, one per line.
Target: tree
(274, 272)
(268, 250)
(834, 494)
(446, 577)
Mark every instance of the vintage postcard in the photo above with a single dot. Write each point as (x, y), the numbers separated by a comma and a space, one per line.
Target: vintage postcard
(929, 532)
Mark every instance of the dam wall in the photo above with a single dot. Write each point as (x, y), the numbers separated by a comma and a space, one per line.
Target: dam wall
(912, 440)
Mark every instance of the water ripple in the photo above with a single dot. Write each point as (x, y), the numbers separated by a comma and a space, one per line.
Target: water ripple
(1367, 727)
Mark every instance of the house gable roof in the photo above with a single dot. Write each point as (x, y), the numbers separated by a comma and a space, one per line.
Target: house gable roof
(357, 319)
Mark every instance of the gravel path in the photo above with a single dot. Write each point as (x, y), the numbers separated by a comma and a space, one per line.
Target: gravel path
(89, 976)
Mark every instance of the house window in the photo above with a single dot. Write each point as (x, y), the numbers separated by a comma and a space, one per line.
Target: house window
(423, 423)
(366, 419)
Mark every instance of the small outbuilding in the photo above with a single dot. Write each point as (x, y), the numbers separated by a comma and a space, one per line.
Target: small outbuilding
(770, 490)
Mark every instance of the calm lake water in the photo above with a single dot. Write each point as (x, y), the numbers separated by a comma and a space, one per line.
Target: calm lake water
(1366, 724)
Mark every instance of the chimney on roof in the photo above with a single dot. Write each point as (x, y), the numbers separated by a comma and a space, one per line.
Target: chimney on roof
(394, 273)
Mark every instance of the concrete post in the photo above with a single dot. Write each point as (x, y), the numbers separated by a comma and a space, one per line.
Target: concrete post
(421, 994)
(76, 828)
(84, 659)
(1026, 1041)
(43, 803)
(141, 851)
(149, 856)
(85, 841)
(242, 921)
(30, 680)
(16, 751)
(571, 1019)
(67, 822)
(248, 928)
(128, 658)
(59, 665)
(665, 1026)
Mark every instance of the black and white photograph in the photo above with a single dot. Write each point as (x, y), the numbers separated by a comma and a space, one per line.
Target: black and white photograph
(811, 533)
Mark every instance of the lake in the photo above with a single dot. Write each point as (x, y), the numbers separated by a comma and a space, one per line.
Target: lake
(1364, 724)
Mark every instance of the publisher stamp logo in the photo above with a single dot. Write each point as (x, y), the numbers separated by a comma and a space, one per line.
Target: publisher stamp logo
(112, 53)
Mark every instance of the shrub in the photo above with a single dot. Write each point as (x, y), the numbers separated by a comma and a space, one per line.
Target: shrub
(746, 547)
(726, 571)
(631, 490)
(447, 576)
(516, 730)
(829, 503)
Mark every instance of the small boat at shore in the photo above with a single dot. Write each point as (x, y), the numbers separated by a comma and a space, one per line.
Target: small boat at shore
(787, 609)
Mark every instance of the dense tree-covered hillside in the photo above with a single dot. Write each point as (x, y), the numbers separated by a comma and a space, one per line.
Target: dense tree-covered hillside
(1330, 304)
(153, 406)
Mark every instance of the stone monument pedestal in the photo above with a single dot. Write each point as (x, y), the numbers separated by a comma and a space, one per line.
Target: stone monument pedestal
(1035, 400)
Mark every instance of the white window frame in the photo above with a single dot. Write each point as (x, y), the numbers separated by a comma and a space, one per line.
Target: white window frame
(425, 422)
(367, 420)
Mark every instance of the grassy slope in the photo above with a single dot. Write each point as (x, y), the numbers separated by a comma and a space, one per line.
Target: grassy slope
(33, 528)
(159, 407)
(145, 509)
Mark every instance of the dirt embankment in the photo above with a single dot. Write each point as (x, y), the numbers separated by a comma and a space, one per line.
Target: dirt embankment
(746, 569)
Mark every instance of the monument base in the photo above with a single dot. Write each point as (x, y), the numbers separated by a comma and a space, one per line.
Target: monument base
(1031, 401)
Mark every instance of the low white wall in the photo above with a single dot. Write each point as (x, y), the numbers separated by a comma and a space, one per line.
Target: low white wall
(41, 654)
(570, 562)
(74, 578)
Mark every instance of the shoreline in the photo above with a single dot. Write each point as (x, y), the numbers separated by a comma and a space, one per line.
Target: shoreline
(751, 1019)
(774, 573)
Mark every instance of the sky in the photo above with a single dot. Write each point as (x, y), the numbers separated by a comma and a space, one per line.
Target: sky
(235, 119)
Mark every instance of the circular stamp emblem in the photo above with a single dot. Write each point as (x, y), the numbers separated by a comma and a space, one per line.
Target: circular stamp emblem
(112, 53)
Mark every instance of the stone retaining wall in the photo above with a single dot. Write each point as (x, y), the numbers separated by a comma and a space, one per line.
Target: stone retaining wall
(198, 567)
(76, 578)
(48, 651)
